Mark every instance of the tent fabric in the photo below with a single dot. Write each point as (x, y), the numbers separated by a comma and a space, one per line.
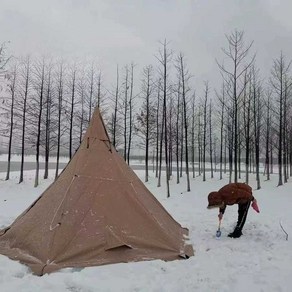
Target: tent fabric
(97, 212)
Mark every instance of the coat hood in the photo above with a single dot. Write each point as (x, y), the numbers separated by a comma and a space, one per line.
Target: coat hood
(214, 200)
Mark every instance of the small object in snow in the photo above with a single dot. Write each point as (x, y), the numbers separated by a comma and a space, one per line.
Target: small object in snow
(283, 230)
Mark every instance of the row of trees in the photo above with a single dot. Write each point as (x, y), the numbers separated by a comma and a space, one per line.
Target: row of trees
(49, 108)
(247, 121)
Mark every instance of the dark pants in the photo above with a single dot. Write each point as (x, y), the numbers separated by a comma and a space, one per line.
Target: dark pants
(242, 214)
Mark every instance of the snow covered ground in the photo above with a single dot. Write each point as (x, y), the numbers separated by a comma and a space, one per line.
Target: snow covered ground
(258, 261)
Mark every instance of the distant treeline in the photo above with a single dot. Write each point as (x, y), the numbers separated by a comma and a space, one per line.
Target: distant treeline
(247, 120)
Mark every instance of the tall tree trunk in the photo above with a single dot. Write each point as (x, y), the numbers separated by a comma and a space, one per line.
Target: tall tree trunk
(239, 155)
(199, 145)
(165, 117)
(210, 134)
(72, 112)
(181, 144)
(271, 159)
(27, 78)
(41, 94)
(91, 86)
(267, 160)
(247, 113)
(99, 90)
(193, 136)
(183, 80)
(205, 131)
(170, 139)
(116, 111)
(126, 115)
(285, 131)
(60, 104)
(257, 133)
(230, 146)
(13, 88)
(160, 150)
(222, 131)
(82, 114)
(157, 128)
(130, 114)
(147, 126)
(215, 155)
(225, 153)
(235, 128)
(177, 134)
(280, 143)
(48, 125)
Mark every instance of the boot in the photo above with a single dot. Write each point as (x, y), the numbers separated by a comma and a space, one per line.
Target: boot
(236, 233)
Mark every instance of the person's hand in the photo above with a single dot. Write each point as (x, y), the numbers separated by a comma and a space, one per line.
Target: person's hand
(220, 216)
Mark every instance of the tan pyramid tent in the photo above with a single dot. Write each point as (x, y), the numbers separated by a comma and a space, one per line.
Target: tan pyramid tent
(97, 212)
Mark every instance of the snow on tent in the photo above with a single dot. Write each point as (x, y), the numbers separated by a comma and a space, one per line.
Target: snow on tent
(97, 212)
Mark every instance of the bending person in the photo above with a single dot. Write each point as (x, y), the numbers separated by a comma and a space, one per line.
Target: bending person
(234, 193)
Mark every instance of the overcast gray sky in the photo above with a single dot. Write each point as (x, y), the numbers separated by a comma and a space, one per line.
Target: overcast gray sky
(129, 30)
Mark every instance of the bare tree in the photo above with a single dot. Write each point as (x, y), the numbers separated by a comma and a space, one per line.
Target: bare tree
(170, 134)
(26, 72)
(199, 140)
(91, 76)
(125, 110)
(247, 98)
(39, 72)
(221, 98)
(115, 115)
(164, 59)
(210, 138)
(184, 77)
(230, 140)
(12, 87)
(4, 59)
(177, 129)
(48, 122)
(237, 53)
(131, 100)
(81, 114)
(268, 126)
(158, 88)
(146, 118)
(60, 92)
(257, 105)
(286, 107)
(72, 102)
(205, 129)
(99, 90)
(193, 135)
(279, 74)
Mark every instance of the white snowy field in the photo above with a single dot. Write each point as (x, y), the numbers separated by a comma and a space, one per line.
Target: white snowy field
(258, 261)
(31, 158)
